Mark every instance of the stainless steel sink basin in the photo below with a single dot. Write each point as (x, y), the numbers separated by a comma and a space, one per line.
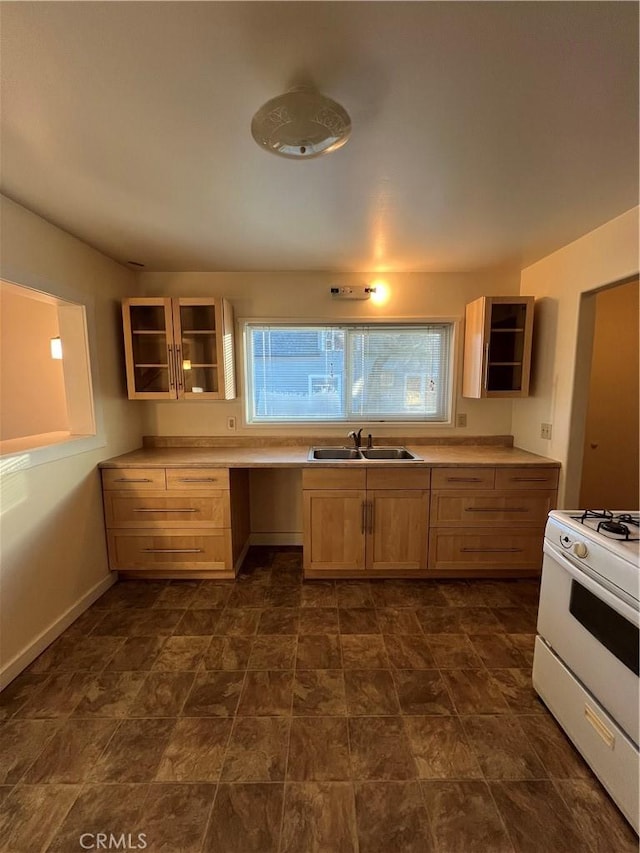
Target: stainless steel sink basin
(333, 453)
(348, 454)
(388, 453)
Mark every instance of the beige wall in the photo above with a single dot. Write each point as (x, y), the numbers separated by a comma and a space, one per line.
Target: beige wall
(53, 544)
(304, 295)
(610, 459)
(276, 511)
(32, 396)
(559, 281)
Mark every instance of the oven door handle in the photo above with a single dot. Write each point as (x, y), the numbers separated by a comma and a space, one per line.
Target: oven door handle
(589, 582)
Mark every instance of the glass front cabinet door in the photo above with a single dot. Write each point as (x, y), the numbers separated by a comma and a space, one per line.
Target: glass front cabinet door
(497, 346)
(179, 349)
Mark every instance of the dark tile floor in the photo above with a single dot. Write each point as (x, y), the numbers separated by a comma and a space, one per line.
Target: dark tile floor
(273, 714)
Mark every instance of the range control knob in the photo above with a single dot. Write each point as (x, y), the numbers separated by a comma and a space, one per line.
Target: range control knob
(580, 550)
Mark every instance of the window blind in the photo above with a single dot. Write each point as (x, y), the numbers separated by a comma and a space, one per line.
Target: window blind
(346, 372)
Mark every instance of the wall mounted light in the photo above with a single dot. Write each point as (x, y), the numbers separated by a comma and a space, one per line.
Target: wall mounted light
(352, 292)
(379, 292)
(56, 348)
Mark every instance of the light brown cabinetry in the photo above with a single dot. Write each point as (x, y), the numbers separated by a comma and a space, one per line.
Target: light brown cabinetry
(176, 522)
(497, 346)
(178, 348)
(489, 521)
(367, 522)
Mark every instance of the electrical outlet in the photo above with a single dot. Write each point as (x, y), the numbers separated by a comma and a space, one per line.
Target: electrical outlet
(231, 422)
(461, 420)
(545, 431)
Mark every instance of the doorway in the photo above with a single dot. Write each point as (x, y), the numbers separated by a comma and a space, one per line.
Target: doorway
(610, 462)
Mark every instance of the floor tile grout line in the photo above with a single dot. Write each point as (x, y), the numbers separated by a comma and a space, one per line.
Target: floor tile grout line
(500, 815)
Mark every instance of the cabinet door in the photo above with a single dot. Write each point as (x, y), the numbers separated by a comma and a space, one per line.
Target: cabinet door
(397, 527)
(149, 348)
(204, 348)
(334, 530)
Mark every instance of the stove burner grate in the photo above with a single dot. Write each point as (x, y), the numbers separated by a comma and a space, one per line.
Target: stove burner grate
(610, 525)
(594, 513)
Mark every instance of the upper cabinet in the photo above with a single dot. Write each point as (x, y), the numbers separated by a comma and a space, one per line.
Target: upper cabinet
(179, 349)
(497, 346)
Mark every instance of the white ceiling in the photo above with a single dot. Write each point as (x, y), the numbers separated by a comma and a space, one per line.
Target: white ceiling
(483, 133)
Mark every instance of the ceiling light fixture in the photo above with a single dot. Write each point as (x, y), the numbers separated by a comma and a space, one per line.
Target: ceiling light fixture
(301, 124)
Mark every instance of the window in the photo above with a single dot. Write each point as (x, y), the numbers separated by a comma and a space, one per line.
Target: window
(345, 372)
(46, 392)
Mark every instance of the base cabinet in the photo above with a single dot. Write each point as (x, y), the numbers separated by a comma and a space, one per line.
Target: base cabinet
(489, 522)
(176, 522)
(353, 525)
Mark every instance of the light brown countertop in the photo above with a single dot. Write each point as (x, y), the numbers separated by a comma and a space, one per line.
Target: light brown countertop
(296, 457)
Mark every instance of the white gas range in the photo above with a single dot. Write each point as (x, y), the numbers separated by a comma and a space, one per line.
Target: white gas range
(586, 659)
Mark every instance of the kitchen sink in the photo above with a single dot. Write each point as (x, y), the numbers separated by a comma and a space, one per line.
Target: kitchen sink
(348, 454)
(338, 454)
(388, 453)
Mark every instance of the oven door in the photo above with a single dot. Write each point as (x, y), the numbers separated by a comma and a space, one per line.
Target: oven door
(595, 633)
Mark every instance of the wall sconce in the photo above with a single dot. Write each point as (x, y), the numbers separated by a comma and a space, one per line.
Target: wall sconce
(56, 348)
(352, 292)
(379, 292)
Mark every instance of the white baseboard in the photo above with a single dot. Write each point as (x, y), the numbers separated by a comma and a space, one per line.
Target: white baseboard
(22, 660)
(293, 538)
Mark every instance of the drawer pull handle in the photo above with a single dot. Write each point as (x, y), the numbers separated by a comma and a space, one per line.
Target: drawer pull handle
(165, 510)
(197, 479)
(491, 550)
(605, 733)
(495, 509)
(133, 480)
(464, 479)
(172, 550)
(528, 479)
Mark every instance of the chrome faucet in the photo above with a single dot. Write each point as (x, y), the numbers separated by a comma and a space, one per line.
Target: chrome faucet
(356, 436)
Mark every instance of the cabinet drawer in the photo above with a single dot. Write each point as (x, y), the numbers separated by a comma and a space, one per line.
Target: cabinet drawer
(398, 478)
(490, 508)
(463, 478)
(197, 478)
(169, 549)
(500, 549)
(334, 478)
(169, 508)
(133, 478)
(527, 478)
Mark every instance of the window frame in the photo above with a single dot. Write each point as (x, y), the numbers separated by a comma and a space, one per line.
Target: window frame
(31, 451)
(449, 395)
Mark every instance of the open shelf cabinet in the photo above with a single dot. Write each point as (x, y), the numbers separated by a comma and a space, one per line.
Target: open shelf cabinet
(497, 346)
